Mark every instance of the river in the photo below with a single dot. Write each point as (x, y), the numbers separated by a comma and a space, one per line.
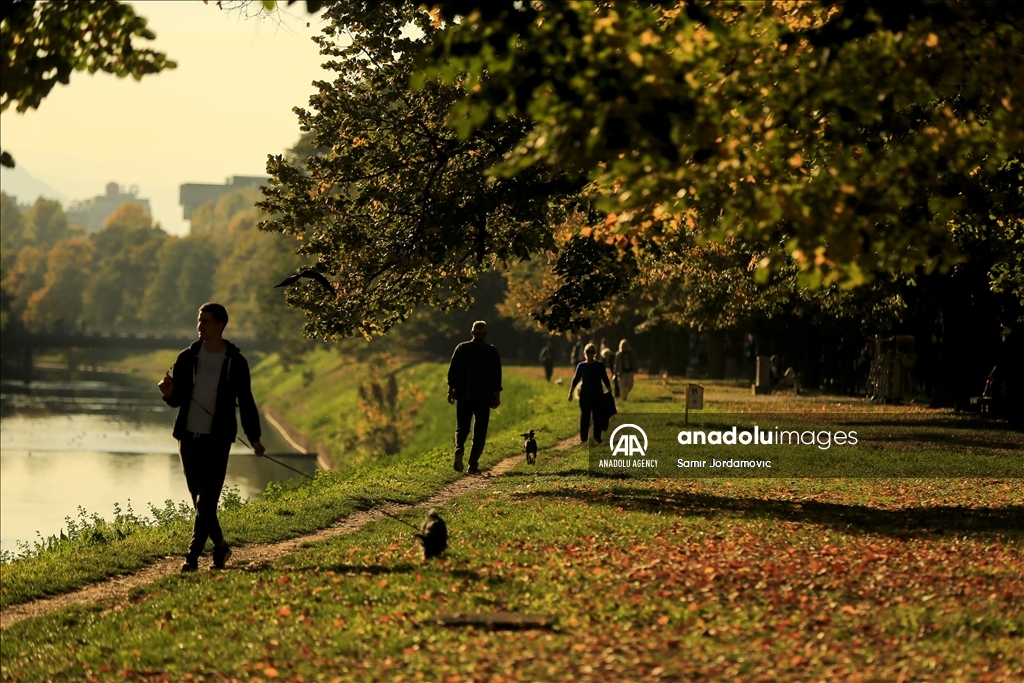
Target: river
(98, 441)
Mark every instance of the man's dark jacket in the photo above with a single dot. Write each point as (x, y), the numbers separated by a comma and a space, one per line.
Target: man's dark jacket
(475, 371)
(234, 385)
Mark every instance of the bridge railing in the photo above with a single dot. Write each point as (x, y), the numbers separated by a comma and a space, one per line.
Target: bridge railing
(117, 340)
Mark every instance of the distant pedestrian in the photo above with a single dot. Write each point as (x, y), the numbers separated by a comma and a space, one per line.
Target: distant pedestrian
(625, 368)
(607, 355)
(474, 383)
(547, 359)
(576, 355)
(209, 377)
(591, 374)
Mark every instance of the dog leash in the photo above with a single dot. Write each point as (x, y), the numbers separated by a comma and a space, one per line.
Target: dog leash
(270, 458)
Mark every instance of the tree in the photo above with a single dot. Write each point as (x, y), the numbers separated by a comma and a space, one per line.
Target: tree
(244, 282)
(183, 281)
(125, 255)
(45, 222)
(58, 305)
(12, 227)
(238, 209)
(851, 142)
(25, 276)
(854, 137)
(399, 213)
(43, 42)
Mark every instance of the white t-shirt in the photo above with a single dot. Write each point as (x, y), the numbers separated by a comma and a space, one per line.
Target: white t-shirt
(204, 391)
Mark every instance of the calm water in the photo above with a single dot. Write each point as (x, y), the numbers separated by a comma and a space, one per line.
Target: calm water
(94, 443)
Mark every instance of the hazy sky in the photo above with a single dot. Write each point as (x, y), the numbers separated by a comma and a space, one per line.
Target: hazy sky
(227, 105)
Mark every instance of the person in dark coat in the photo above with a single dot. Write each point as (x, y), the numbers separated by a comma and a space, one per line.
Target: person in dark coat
(474, 384)
(209, 377)
(591, 373)
(547, 359)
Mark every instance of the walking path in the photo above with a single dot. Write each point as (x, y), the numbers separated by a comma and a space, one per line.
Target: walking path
(115, 590)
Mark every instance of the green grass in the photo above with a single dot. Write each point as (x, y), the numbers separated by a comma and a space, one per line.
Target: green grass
(318, 396)
(123, 545)
(712, 579)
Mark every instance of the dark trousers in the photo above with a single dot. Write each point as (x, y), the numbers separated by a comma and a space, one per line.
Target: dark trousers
(465, 412)
(589, 407)
(205, 462)
(549, 369)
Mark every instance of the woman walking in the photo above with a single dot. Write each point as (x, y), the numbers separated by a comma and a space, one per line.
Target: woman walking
(592, 374)
(625, 368)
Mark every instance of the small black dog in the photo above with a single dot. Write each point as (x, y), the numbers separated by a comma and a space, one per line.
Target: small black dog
(531, 448)
(433, 535)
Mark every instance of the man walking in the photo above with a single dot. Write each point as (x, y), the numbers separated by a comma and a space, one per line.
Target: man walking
(474, 382)
(208, 378)
(547, 359)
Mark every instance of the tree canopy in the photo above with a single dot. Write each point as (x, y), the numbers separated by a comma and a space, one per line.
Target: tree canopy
(691, 148)
(854, 137)
(397, 210)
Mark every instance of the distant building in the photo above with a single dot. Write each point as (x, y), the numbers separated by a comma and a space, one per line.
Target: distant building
(194, 195)
(91, 214)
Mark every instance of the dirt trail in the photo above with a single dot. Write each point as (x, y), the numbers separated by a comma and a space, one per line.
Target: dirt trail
(115, 590)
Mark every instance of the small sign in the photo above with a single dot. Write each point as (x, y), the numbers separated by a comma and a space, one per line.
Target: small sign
(694, 397)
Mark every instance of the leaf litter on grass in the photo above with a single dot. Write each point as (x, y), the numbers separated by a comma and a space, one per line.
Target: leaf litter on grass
(869, 579)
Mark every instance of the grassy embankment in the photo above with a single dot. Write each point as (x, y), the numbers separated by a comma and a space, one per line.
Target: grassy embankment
(714, 579)
(318, 397)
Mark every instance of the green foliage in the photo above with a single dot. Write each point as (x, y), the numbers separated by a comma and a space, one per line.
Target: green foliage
(741, 161)
(852, 136)
(590, 273)
(43, 42)
(183, 281)
(25, 276)
(399, 212)
(387, 412)
(255, 262)
(126, 254)
(45, 222)
(58, 305)
(229, 214)
(995, 240)
(12, 225)
(303, 150)
(26, 240)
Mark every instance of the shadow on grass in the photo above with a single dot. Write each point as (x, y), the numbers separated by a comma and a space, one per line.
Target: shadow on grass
(938, 439)
(370, 569)
(400, 568)
(930, 520)
(574, 472)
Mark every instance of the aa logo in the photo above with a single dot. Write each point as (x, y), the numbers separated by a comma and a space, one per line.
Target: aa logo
(628, 443)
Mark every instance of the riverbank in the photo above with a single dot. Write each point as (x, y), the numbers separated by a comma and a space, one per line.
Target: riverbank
(101, 439)
(101, 548)
(315, 401)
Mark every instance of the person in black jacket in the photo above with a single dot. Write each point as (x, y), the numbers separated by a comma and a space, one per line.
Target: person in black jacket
(474, 381)
(592, 374)
(208, 378)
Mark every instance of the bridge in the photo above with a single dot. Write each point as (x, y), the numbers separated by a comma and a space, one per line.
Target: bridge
(20, 348)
